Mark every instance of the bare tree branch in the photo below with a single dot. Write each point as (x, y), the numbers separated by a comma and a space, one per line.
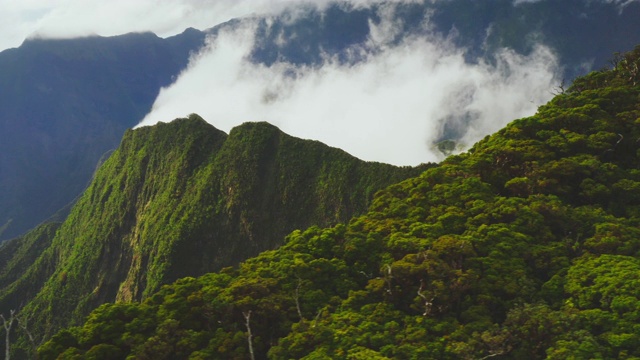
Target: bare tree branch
(297, 298)
(247, 317)
(23, 325)
(428, 303)
(7, 324)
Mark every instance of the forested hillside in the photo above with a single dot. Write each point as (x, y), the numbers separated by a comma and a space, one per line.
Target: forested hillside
(65, 103)
(527, 246)
(180, 199)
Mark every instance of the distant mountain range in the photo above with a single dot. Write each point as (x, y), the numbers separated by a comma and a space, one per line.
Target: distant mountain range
(65, 104)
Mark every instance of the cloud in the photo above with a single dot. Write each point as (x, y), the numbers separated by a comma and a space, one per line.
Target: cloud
(391, 106)
(75, 18)
(620, 3)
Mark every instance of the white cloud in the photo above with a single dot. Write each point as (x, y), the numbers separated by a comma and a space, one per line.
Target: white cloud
(389, 107)
(621, 3)
(74, 18)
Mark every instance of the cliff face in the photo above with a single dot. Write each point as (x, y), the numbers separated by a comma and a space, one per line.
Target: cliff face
(183, 199)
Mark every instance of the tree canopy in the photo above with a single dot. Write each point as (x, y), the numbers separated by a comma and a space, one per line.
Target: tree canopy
(526, 246)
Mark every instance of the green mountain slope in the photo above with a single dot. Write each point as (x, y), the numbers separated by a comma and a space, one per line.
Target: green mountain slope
(64, 103)
(527, 246)
(183, 199)
(18, 255)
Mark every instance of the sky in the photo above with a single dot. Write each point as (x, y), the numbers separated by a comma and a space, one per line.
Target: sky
(391, 107)
(22, 19)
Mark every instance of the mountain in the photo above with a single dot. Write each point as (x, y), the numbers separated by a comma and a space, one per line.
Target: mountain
(527, 246)
(583, 33)
(66, 103)
(181, 199)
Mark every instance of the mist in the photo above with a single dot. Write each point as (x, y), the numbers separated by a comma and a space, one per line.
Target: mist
(392, 105)
(77, 18)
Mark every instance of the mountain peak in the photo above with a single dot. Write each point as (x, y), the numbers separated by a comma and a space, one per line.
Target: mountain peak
(183, 198)
(536, 227)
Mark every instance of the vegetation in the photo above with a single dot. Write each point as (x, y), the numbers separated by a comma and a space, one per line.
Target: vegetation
(175, 200)
(16, 256)
(65, 103)
(527, 246)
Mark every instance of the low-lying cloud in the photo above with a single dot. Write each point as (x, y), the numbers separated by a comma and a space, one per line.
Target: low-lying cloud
(390, 107)
(76, 18)
(621, 3)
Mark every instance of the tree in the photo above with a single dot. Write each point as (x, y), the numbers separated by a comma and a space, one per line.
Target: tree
(7, 324)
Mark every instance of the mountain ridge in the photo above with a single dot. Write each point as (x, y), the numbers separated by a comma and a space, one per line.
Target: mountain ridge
(59, 114)
(62, 108)
(182, 199)
(526, 246)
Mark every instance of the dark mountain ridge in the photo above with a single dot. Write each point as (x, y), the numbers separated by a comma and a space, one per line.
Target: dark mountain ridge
(64, 104)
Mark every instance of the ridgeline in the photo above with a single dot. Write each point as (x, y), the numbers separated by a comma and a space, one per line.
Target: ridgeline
(526, 246)
(175, 200)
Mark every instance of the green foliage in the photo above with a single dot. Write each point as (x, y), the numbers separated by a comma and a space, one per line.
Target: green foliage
(524, 247)
(18, 254)
(65, 104)
(175, 200)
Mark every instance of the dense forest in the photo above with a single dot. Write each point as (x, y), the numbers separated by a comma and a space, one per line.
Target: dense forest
(174, 200)
(66, 103)
(526, 246)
